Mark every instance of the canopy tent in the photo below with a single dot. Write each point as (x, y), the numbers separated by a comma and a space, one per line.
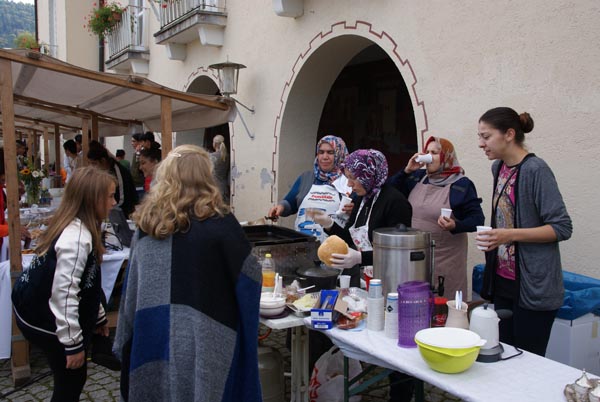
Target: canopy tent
(50, 91)
(41, 94)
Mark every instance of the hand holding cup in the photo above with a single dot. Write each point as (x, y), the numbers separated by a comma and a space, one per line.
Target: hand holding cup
(482, 238)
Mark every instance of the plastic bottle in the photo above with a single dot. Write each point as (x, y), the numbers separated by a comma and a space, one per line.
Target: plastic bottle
(268, 273)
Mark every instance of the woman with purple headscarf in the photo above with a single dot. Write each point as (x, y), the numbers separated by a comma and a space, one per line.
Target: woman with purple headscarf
(319, 189)
(379, 205)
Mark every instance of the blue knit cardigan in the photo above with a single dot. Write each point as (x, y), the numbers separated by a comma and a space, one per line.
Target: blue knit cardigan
(188, 320)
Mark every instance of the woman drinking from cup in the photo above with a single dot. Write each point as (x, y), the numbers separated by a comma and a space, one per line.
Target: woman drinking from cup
(319, 189)
(523, 271)
(441, 186)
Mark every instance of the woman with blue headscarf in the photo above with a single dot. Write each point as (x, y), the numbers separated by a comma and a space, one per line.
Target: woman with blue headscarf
(319, 189)
(379, 205)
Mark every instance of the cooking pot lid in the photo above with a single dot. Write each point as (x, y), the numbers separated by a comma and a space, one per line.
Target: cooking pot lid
(401, 236)
(318, 272)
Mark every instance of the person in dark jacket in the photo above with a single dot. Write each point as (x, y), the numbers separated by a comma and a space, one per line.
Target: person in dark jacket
(442, 184)
(126, 196)
(379, 205)
(57, 301)
(523, 271)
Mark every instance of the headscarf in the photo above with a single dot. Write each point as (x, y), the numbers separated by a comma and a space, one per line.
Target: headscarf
(370, 168)
(450, 170)
(339, 155)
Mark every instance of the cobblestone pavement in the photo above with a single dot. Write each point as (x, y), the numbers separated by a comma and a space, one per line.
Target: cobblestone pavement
(103, 385)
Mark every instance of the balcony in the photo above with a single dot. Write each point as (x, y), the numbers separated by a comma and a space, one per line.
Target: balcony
(127, 44)
(185, 21)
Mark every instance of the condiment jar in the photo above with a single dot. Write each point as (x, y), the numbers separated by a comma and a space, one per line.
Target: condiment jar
(440, 312)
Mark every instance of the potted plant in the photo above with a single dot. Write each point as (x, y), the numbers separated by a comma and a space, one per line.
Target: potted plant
(102, 20)
(27, 40)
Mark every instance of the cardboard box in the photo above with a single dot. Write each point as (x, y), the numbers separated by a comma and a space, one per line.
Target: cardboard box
(576, 343)
(325, 318)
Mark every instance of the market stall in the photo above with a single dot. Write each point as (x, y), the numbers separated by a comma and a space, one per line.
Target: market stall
(41, 94)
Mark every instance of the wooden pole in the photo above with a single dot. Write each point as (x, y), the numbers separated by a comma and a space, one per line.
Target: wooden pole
(21, 371)
(46, 150)
(85, 141)
(95, 129)
(166, 125)
(57, 164)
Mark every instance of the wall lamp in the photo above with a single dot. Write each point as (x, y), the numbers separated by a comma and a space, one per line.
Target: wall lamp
(229, 73)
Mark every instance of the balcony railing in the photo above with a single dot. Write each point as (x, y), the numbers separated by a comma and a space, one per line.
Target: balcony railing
(130, 33)
(172, 10)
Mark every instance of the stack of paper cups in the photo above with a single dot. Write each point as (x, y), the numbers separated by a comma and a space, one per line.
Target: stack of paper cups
(375, 317)
(391, 316)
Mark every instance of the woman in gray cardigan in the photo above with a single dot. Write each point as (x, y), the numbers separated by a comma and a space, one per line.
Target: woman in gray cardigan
(523, 270)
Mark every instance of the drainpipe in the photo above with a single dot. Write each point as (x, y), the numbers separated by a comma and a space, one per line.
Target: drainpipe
(35, 5)
(101, 54)
(101, 49)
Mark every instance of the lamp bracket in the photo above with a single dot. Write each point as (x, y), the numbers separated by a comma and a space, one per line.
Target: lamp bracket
(251, 110)
(250, 134)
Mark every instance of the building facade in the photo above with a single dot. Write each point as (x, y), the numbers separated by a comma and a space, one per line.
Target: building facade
(383, 74)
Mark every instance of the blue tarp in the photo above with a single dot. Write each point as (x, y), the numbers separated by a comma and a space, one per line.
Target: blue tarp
(582, 293)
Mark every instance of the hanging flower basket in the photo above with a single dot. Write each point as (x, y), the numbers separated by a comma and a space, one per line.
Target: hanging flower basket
(102, 20)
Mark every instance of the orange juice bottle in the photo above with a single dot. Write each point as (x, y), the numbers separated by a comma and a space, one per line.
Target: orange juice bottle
(268, 273)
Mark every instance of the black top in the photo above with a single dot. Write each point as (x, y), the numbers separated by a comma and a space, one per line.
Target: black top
(390, 209)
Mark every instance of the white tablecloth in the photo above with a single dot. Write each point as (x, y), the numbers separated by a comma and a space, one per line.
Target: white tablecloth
(111, 264)
(524, 378)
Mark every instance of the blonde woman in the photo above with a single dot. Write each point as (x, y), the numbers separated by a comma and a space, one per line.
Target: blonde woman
(191, 301)
(57, 300)
(220, 163)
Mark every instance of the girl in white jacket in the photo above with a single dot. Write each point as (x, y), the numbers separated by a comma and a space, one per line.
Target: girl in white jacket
(57, 300)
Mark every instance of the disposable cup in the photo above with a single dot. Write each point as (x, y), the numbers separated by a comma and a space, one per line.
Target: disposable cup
(446, 212)
(482, 229)
(426, 158)
(343, 202)
(344, 281)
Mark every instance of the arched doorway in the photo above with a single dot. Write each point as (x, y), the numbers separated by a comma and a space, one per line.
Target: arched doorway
(369, 106)
(356, 87)
(204, 137)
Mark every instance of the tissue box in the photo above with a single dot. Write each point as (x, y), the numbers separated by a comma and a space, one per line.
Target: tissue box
(324, 318)
(576, 343)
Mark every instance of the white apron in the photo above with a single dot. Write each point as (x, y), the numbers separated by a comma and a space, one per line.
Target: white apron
(360, 235)
(322, 197)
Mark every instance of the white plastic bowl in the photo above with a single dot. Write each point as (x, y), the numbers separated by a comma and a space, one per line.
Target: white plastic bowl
(448, 337)
(271, 306)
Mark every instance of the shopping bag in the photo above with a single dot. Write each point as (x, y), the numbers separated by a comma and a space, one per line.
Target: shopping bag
(327, 380)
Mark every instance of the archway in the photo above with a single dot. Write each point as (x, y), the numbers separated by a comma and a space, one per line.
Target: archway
(327, 71)
(204, 84)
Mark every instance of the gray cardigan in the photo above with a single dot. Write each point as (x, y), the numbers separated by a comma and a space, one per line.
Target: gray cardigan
(538, 202)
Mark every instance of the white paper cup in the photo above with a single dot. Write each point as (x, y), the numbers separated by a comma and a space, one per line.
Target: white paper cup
(482, 229)
(344, 281)
(426, 158)
(343, 202)
(446, 212)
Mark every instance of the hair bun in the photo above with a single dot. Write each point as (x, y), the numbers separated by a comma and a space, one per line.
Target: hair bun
(526, 122)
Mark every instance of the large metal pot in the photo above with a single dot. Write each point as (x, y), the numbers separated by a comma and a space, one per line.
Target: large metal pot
(401, 254)
(323, 278)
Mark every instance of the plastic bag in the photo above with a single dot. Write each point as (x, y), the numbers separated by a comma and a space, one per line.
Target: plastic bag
(327, 380)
